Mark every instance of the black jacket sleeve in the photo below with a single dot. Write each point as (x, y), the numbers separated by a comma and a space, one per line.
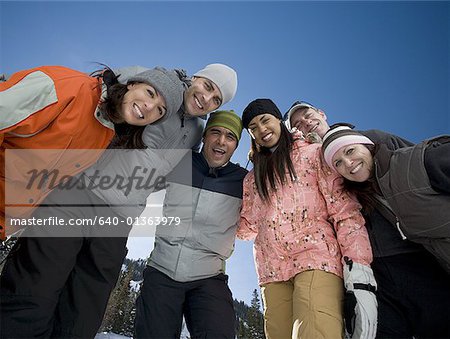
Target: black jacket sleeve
(392, 141)
(437, 164)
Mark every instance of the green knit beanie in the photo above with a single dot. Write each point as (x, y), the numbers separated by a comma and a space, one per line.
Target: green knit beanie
(226, 119)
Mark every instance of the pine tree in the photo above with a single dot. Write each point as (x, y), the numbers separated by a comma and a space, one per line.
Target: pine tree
(242, 331)
(121, 311)
(255, 320)
(119, 316)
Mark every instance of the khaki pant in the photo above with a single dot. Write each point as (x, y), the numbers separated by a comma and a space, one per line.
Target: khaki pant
(308, 306)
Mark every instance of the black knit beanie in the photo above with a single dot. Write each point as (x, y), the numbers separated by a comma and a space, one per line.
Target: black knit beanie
(258, 107)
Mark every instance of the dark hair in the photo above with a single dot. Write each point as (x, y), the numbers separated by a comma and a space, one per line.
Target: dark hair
(365, 191)
(270, 166)
(126, 135)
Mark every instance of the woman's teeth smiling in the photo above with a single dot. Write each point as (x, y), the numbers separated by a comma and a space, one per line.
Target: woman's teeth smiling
(138, 111)
(356, 168)
(267, 137)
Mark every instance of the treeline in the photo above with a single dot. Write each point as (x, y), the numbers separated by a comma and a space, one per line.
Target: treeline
(121, 310)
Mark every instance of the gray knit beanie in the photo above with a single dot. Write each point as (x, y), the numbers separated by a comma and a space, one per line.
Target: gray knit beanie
(167, 83)
(224, 77)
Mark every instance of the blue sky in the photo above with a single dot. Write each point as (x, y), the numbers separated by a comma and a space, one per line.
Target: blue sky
(378, 65)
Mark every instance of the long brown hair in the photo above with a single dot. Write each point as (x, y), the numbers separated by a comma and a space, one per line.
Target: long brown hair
(367, 190)
(126, 135)
(270, 166)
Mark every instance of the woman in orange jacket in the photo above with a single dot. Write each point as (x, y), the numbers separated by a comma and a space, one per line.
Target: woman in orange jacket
(54, 108)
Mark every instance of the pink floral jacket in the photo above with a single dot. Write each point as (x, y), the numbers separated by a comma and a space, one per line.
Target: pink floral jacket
(310, 223)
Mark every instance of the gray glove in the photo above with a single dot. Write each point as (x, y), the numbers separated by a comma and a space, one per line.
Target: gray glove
(360, 303)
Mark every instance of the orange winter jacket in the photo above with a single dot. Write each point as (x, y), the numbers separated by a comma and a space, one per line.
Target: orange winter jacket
(44, 113)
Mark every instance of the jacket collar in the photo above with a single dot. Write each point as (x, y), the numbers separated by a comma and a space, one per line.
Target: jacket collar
(382, 158)
(98, 115)
(213, 171)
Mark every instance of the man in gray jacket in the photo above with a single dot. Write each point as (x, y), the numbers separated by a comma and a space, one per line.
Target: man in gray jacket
(206, 91)
(186, 271)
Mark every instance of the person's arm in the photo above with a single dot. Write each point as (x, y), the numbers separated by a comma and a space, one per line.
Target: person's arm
(24, 94)
(248, 229)
(437, 164)
(344, 214)
(136, 174)
(392, 141)
(125, 73)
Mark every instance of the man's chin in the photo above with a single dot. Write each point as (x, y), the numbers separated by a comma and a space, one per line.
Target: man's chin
(196, 114)
(193, 112)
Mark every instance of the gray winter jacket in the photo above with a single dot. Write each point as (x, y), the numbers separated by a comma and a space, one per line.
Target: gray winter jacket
(423, 215)
(164, 139)
(209, 211)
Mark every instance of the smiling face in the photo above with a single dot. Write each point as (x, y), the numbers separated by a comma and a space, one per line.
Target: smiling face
(219, 145)
(202, 97)
(265, 129)
(142, 105)
(310, 120)
(354, 162)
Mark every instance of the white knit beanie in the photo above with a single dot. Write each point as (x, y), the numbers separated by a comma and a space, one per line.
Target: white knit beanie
(224, 77)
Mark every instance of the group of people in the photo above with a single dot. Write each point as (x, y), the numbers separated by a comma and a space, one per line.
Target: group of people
(350, 230)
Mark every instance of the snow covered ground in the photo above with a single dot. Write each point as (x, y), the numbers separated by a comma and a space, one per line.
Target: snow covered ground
(110, 335)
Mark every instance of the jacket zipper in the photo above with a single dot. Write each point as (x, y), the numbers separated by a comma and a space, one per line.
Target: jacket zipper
(399, 229)
(384, 202)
